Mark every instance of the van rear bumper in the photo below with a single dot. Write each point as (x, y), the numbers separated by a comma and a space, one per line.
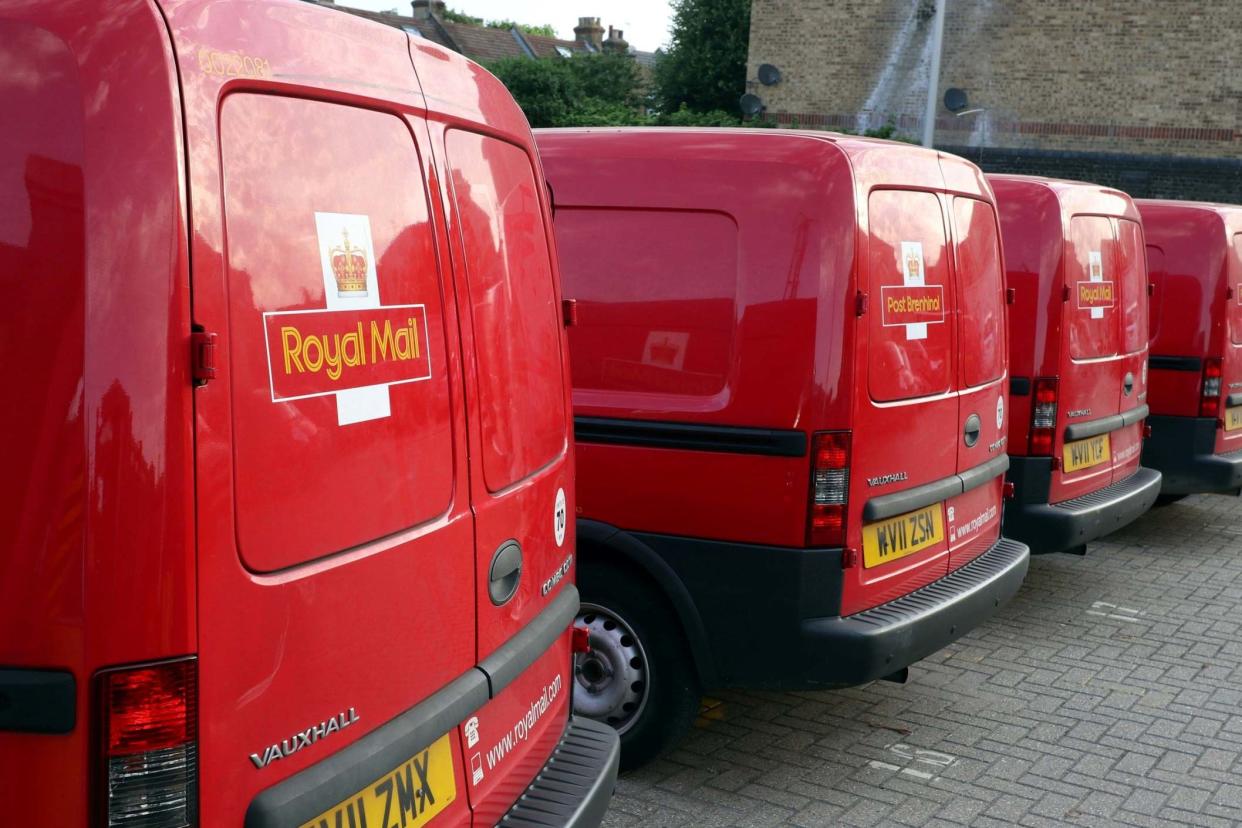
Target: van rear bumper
(1184, 450)
(880, 641)
(575, 785)
(1055, 527)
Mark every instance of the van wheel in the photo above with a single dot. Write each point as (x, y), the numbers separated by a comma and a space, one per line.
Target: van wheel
(1166, 499)
(637, 676)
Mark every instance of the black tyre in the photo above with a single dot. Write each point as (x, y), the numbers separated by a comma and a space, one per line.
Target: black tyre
(638, 677)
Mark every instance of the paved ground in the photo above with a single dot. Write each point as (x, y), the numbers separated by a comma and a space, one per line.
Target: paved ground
(1109, 692)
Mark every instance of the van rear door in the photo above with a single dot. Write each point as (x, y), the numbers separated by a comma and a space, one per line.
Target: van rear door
(906, 424)
(973, 518)
(1090, 371)
(1127, 441)
(1230, 437)
(335, 537)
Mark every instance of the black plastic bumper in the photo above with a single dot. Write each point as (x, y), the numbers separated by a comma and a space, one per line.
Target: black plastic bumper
(575, 784)
(1055, 527)
(1183, 449)
(882, 640)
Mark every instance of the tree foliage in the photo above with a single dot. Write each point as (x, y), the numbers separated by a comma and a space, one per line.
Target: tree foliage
(584, 90)
(704, 68)
(545, 29)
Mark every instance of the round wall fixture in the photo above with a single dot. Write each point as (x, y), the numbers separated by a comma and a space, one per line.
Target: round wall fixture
(751, 105)
(955, 99)
(769, 75)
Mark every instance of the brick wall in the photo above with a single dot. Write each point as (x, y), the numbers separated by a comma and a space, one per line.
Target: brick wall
(1130, 77)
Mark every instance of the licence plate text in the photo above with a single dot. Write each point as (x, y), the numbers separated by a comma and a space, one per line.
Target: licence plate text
(1233, 419)
(410, 796)
(1083, 454)
(888, 540)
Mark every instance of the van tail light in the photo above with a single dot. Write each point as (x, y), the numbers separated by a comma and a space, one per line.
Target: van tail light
(1044, 416)
(148, 773)
(1209, 403)
(830, 486)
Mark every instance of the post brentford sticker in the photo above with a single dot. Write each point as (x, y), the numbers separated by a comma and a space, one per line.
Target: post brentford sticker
(913, 304)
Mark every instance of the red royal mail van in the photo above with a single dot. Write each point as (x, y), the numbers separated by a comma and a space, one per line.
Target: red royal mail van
(790, 400)
(282, 543)
(1194, 253)
(1077, 359)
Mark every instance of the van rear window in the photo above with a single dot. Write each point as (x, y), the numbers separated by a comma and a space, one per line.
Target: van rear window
(1234, 280)
(910, 351)
(656, 293)
(1092, 279)
(1132, 270)
(516, 320)
(342, 427)
(980, 288)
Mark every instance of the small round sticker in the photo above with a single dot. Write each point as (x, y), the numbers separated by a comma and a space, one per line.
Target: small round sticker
(1000, 411)
(559, 518)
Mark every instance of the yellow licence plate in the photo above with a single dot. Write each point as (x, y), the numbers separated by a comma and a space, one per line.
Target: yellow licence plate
(888, 540)
(1233, 419)
(410, 795)
(1083, 454)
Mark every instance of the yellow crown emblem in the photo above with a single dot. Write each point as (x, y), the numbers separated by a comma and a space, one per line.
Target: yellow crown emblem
(912, 265)
(349, 267)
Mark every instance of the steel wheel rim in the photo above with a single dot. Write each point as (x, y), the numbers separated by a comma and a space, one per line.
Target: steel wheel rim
(613, 678)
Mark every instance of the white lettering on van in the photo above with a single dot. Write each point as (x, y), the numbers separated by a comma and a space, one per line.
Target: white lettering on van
(305, 738)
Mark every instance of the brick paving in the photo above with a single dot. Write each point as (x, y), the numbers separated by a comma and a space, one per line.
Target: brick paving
(1109, 692)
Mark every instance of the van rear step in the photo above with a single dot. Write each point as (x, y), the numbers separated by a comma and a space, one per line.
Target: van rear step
(575, 784)
(880, 641)
(1059, 527)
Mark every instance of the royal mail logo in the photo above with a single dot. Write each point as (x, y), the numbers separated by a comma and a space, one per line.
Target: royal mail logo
(910, 305)
(314, 353)
(355, 347)
(1095, 295)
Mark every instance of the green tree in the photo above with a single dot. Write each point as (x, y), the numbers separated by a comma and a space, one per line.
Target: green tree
(584, 90)
(704, 68)
(545, 29)
(454, 16)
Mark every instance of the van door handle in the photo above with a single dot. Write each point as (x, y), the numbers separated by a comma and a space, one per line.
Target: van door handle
(505, 573)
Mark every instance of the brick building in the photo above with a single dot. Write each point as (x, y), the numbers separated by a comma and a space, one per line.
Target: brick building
(1143, 94)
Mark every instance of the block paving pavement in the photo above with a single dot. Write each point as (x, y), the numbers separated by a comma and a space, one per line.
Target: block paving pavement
(1108, 692)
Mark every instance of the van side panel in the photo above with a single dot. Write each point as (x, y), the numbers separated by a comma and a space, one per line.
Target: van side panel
(95, 512)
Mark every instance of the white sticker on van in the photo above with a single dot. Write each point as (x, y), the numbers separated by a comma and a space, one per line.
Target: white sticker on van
(1000, 410)
(559, 518)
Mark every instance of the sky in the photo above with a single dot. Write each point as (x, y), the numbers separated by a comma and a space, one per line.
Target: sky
(645, 22)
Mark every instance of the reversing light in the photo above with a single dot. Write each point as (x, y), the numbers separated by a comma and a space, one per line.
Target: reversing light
(149, 773)
(830, 484)
(1209, 402)
(1044, 416)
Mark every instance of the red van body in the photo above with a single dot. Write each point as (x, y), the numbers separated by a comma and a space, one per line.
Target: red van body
(1077, 360)
(790, 392)
(1194, 253)
(280, 545)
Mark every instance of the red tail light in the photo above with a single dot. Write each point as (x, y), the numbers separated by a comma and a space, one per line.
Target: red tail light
(1209, 403)
(1044, 416)
(830, 485)
(149, 762)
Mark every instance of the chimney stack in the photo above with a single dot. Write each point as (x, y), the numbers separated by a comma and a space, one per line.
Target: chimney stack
(616, 42)
(424, 9)
(589, 31)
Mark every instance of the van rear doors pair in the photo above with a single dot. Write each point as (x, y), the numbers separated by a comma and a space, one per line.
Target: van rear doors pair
(365, 276)
(932, 345)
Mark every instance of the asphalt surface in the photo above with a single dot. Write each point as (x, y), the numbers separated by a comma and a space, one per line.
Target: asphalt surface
(1108, 692)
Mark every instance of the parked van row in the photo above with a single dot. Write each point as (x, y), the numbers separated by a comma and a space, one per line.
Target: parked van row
(292, 534)
(829, 393)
